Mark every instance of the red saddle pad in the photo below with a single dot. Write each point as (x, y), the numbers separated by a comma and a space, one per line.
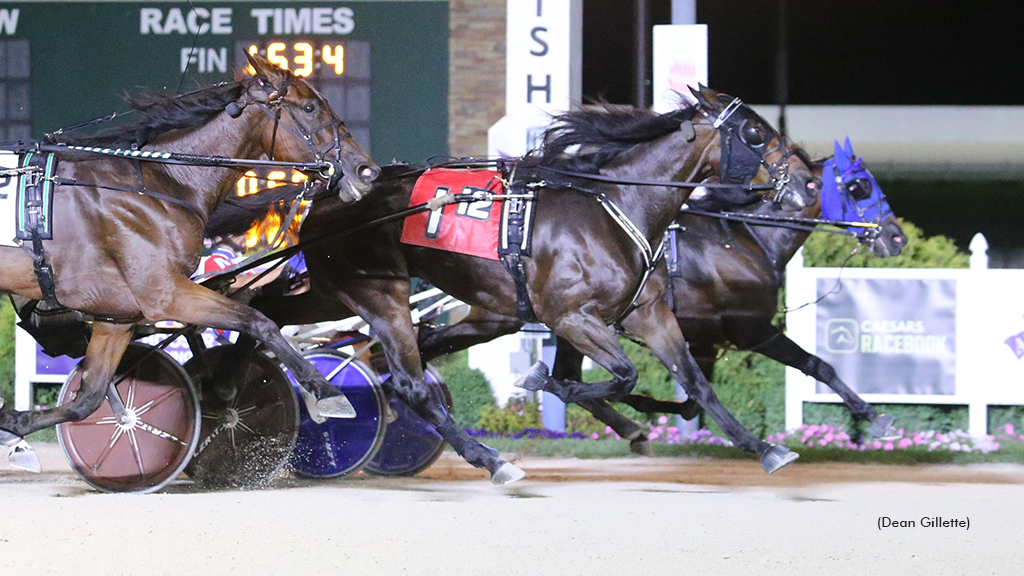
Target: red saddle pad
(464, 227)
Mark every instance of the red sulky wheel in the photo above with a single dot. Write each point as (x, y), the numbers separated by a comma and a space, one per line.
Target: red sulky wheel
(244, 440)
(152, 447)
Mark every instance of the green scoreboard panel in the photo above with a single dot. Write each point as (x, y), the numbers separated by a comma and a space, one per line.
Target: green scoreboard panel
(382, 65)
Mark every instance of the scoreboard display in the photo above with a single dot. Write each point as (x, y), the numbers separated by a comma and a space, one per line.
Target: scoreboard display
(382, 65)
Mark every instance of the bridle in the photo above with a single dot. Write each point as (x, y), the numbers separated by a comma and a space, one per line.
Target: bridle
(739, 163)
(274, 103)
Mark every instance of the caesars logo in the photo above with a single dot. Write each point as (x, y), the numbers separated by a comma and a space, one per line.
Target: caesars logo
(847, 335)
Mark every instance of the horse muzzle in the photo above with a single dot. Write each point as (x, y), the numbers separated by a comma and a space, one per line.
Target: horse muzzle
(352, 182)
(890, 241)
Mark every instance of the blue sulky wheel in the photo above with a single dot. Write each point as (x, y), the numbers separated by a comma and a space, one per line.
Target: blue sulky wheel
(150, 448)
(341, 446)
(410, 444)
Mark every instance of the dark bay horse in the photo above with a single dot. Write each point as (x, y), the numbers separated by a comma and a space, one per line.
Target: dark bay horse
(127, 234)
(584, 270)
(724, 279)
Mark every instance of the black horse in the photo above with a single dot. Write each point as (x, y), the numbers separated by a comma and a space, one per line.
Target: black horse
(591, 246)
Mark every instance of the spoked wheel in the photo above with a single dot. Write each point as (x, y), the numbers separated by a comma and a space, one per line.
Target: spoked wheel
(152, 446)
(410, 444)
(341, 446)
(246, 438)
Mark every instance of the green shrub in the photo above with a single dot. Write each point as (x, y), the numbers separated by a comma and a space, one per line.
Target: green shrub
(579, 420)
(7, 350)
(516, 417)
(469, 387)
(753, 388)
(910, 417)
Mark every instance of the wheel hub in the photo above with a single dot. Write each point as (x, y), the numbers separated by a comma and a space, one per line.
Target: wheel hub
(230, 418)
(128, 420)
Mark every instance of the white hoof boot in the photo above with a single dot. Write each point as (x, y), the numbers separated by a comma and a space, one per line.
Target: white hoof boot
(21, 456)
(336, 407)
(310, 401)
(507, 474)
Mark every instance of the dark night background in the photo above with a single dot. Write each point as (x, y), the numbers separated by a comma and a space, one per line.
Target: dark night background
(867, 52)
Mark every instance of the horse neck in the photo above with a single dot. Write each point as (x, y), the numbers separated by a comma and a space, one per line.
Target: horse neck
(777, 243)
(221, 136)
(653, 208)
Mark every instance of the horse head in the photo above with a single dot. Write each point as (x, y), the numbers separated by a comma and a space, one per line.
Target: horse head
(296, 108)
(851, 194)
(752, 153)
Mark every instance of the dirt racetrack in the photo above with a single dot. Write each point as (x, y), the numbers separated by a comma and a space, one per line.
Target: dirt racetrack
(593, 517)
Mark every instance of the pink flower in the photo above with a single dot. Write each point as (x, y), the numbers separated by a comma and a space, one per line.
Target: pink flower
(663, 420)
(888, 446)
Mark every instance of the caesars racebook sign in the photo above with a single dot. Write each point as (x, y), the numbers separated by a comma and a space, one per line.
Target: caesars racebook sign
(889, 336)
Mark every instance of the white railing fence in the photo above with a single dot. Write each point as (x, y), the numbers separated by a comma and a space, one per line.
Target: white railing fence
(912, 336)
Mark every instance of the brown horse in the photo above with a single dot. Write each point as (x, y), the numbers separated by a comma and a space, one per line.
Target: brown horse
(725, 285)
(584, 270)
(127, 234)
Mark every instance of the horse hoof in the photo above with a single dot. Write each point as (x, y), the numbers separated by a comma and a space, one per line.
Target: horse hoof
(641, 446)
(23, 457)
(535, 378)
(335, 407)
(882, 428)
(507, 473)
(776, 457)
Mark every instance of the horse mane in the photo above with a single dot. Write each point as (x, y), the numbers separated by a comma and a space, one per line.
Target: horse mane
(805, 157)
(162, 113)
(601, 134)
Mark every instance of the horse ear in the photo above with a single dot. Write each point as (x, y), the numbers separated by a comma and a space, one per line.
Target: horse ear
(842, 161)
(266, 71)
(849, 148)
(705, 96)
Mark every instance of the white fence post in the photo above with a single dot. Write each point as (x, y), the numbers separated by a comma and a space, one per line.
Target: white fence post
(977, 409)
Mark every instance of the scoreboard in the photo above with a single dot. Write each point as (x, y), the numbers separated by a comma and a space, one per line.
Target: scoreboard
(382, 65)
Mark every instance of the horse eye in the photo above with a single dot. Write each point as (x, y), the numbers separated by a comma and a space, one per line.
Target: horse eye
(309, 108)
(752, 134)
(859, 189)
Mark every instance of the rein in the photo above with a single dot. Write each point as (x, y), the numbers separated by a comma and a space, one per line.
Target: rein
(662, 183)
(181, 159)
(792, 222)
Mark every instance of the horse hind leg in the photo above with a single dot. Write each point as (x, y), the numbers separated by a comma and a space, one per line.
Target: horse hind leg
(107, 345)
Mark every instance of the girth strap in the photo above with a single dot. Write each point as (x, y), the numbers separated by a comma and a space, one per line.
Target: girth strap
(511, 250)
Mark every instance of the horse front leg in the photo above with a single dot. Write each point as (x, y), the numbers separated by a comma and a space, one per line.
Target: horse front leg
(107, 345)
(655, 324)
(384, 304)
(590, 336)
(764, 338)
